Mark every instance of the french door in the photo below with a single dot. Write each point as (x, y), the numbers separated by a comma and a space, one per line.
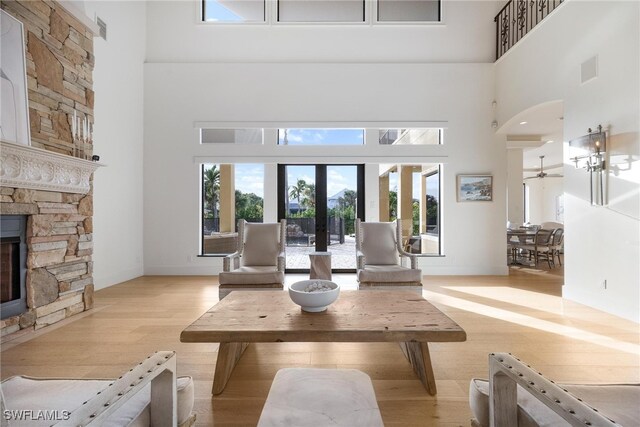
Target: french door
(320, 203)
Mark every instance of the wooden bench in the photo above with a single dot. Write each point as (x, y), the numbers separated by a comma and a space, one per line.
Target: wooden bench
(315, 397)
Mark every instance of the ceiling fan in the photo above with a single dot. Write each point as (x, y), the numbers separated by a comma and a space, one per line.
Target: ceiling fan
(542, 173)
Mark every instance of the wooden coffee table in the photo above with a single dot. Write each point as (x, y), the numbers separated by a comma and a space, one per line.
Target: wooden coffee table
(357, 316)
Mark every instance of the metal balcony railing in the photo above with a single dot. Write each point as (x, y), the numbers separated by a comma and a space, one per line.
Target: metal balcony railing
(517, 18)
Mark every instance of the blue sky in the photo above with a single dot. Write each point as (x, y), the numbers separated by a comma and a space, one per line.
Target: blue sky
(216, 12)
(338, 177)
(431, 188)
(322, 136)
(250, 178)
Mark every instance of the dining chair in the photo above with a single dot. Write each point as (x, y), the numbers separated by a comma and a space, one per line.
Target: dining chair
(557, 244)
(540, 247)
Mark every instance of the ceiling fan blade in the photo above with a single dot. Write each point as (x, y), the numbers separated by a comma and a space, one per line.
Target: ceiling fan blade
(554, 175)
(530, 177)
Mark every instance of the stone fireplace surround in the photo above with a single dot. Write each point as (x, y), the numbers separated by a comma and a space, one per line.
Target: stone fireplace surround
(44, 181)
(54, 191)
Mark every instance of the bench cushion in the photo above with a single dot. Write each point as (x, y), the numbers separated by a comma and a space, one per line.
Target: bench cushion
(618, 402)
(318, 397)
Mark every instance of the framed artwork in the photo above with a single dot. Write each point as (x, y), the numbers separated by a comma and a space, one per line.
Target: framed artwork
(475, 188)
(14, 114)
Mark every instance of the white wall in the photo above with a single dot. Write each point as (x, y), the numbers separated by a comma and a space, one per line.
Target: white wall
(174, 34)
(543, 194)
(601, 243)
(177, 95)
(118, 140)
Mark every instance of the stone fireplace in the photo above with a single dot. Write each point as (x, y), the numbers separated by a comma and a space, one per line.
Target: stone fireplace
(45, 182)
(53, 192)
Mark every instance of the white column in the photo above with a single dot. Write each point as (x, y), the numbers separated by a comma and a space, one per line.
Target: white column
(270, 192)
(515, 194)
(371, 196)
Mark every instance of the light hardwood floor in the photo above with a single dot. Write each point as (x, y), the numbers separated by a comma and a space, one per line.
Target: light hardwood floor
(522, 313)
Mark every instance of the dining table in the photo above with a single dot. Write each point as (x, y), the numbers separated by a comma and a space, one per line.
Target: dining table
(523, 235)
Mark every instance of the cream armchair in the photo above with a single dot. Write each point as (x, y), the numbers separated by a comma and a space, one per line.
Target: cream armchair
(259, 262)
(516, 396)
(379, 255)
(149, 394)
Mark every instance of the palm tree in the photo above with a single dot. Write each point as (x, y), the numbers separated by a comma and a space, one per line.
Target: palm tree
(212, 188)
(297, 191)
(310, 196)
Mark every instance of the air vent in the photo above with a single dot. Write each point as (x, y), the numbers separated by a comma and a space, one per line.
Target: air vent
(589, 70)
(103, 27)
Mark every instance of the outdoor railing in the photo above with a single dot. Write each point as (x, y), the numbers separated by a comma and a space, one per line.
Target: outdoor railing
(517, 18)
(212, 225)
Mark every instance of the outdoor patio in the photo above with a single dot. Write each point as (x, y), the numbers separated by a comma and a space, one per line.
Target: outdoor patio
(342, 255)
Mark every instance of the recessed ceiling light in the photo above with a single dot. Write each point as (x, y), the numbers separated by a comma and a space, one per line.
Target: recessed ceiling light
(550, 141)
(523, 123)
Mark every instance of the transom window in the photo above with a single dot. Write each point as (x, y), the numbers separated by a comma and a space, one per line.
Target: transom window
(320, 136)
(231, 136)
(428, 136)
(321, 11)
(235, 11)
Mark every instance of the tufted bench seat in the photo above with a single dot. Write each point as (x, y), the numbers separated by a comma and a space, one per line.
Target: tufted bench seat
(314, 397)
(541, 402)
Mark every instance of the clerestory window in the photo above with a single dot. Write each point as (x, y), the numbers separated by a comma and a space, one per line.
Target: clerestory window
(322, 11)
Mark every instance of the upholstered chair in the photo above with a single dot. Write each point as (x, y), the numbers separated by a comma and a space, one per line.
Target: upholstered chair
(379, 256)
(259, 262)
(149, 394)
(518, 396)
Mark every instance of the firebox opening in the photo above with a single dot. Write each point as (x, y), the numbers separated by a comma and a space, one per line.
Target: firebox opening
(13, 268)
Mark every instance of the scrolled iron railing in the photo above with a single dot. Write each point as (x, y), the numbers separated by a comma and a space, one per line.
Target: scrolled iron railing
(517, 18)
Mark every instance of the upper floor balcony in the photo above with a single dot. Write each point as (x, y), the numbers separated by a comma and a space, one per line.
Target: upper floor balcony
(517, 18)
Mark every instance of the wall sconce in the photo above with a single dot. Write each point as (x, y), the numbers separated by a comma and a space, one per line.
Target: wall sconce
(590, 153)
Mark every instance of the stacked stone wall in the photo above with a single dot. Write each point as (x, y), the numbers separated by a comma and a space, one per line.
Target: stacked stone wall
(60, 61)
(59, 236)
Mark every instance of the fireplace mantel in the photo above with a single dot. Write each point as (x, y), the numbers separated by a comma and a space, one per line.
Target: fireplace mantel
(22, 166)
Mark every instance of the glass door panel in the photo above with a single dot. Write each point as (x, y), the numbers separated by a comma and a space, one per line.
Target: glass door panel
(342, 207)
(320, 203)
(299, 195)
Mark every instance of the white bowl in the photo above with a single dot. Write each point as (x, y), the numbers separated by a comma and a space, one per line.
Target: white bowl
(313, 301)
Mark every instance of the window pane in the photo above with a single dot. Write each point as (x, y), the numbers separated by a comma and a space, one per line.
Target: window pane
(410, 194)
(231, 136)
(431, 237)
(230, 192)
(234, 11)
(408, 10)
(321, 11)
(320, 136)
(431, 136)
